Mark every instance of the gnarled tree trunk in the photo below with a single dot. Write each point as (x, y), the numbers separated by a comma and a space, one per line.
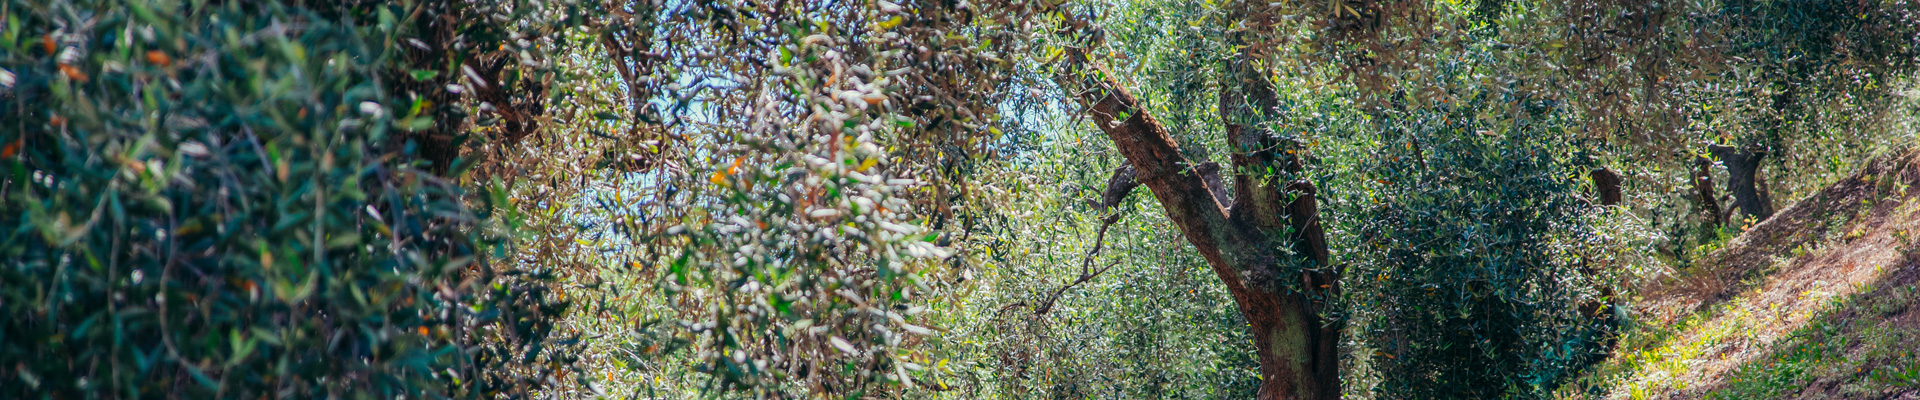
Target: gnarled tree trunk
(1245, 239)
(1742, 167)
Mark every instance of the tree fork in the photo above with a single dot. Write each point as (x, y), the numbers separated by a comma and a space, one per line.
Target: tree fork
(1298, 352)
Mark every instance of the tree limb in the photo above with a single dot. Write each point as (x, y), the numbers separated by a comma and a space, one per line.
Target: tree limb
(1086, 267)
(1152, 154)
(1121, 184)
(1124, 180)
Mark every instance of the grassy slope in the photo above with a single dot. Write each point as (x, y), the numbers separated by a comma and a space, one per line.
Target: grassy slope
(1816, 302)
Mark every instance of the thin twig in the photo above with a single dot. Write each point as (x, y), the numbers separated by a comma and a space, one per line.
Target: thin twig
(1086, 267)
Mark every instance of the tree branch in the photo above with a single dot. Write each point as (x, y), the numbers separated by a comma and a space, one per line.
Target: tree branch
(1124, 180)
(1121, 184)
(1154, 157)
(1086, 266)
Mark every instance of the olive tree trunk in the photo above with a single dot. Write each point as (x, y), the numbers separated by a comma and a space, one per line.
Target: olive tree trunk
(1743, 168)
(1251, 243)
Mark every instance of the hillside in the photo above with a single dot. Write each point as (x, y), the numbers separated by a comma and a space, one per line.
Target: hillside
(1813, 303)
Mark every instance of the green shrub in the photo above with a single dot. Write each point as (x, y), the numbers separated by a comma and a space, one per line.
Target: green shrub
(224, 200)
(1464, 288)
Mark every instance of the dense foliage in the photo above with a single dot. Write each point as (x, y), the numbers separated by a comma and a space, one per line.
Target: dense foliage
(1468, 293)
(229, 200)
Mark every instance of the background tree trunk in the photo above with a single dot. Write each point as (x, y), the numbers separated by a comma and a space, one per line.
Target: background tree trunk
(1706, 202)
(1278, 204)
(1742, 167)
(1606, 186)
(434, 31)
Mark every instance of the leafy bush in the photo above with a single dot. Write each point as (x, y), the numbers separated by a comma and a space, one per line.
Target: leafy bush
(1458, 270)
(225, 200)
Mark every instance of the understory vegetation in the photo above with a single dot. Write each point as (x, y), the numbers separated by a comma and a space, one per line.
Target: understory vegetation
(950, 199)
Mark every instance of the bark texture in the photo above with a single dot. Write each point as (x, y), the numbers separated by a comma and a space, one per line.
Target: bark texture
(1606, 187)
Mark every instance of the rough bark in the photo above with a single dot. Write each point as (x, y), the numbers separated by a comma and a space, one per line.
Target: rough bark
(1298, 351)
(1742, 167)
(1122, 182)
